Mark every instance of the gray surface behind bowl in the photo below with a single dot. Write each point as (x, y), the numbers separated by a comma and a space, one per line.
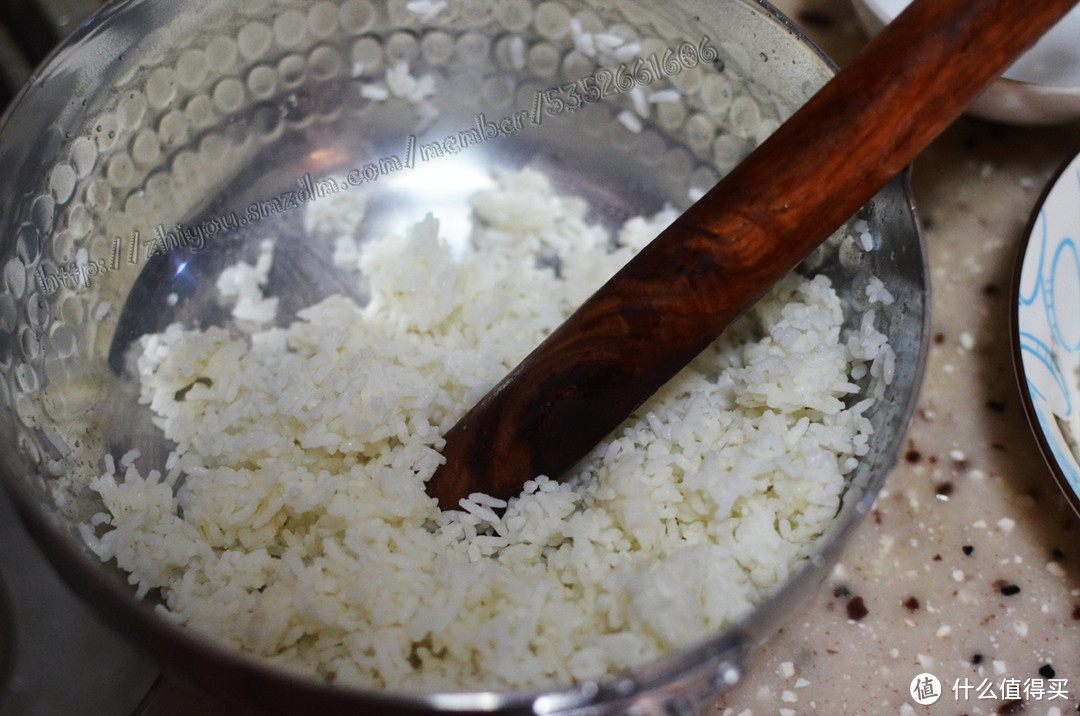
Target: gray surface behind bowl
(65, 660)
(28, 29)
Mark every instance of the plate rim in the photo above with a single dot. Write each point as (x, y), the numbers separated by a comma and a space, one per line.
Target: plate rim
(1050, 457)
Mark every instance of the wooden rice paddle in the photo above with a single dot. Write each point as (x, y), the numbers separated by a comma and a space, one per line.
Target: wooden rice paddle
(727, 250)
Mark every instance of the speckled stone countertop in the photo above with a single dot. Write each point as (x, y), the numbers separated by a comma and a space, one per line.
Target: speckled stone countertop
(969, 566)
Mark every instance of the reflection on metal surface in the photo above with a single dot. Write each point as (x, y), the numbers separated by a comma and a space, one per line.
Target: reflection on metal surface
(442, 188)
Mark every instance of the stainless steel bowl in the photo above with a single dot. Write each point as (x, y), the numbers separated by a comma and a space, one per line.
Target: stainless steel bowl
(160, 113)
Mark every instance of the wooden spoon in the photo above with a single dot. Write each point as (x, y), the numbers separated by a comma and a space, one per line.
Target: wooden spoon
(726, 251)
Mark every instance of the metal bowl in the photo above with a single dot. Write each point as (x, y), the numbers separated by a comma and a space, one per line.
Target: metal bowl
(159, 113)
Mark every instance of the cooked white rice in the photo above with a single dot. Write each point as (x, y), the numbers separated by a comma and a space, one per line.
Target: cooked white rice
(300, 530)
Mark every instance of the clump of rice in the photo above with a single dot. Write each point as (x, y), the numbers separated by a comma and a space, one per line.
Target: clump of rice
(299, 529)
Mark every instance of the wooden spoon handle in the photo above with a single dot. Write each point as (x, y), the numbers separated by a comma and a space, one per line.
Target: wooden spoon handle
(726, 251)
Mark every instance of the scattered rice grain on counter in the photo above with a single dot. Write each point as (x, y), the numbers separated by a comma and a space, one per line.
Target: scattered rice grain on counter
(300, 530)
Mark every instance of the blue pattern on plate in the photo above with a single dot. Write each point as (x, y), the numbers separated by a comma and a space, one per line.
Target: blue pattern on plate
(1049, 320)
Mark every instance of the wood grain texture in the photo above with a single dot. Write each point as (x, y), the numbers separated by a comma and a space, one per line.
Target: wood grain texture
(727, 250)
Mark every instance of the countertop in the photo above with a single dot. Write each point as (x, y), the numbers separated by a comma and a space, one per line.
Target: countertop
(968, 567)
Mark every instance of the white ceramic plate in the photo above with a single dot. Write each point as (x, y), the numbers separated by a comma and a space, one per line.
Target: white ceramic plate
(1046, 327)
(1041, 88)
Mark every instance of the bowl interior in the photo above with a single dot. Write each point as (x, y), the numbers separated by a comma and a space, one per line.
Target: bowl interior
(135, 182)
